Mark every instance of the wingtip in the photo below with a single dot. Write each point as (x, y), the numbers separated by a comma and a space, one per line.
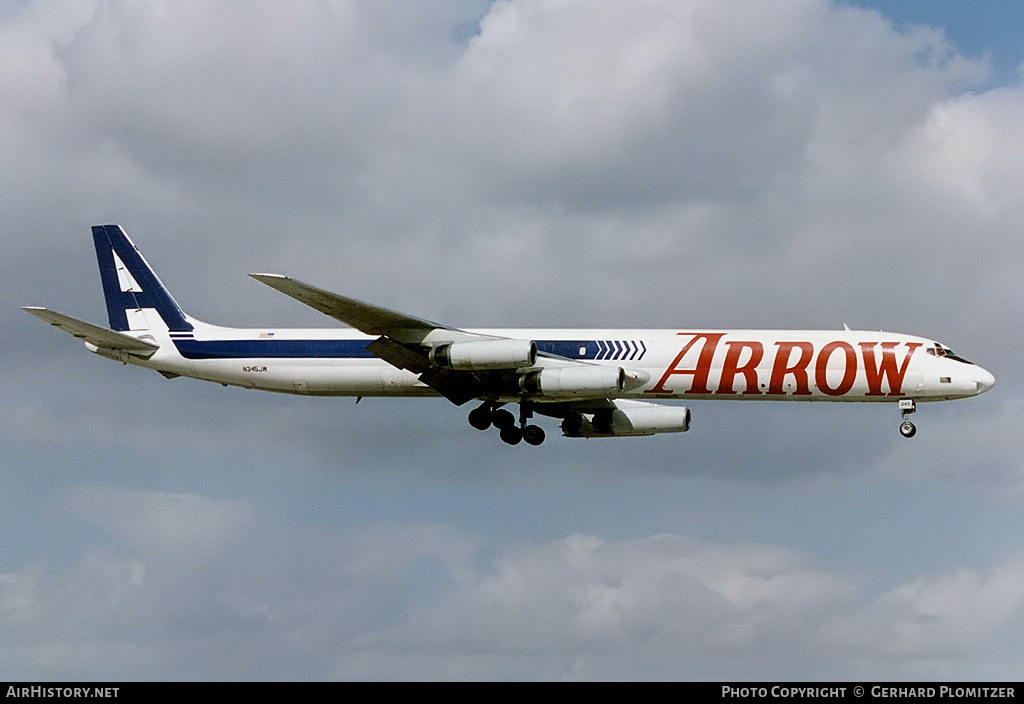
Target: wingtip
(259, 276)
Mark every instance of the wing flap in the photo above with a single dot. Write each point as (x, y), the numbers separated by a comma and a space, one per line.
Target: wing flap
(398, 335)
(94, 334)
(456, 386)
(398, 355)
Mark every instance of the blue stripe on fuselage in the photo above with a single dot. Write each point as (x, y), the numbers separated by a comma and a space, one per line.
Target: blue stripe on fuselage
(595, 349)
(273, 349)
(338, 349)
(570, 349)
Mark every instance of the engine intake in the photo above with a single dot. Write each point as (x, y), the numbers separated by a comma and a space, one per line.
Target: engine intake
(485, 354)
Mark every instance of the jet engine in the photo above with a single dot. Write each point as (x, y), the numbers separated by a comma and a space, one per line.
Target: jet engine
(485, 354)
(590, 380)
(575, 381)
(628, 421)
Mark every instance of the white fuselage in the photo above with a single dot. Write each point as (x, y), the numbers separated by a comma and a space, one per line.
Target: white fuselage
(794, 365)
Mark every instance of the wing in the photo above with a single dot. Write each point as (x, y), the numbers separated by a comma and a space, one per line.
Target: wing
(94, 334)
(365, 317)
(399, 335)
(462, 365)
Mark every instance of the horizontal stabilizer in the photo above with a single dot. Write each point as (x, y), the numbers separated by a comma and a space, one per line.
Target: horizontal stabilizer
(94, 334)
(365, 317)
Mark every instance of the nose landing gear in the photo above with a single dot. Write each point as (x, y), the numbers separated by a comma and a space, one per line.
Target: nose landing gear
(488, 414)
(907, 406)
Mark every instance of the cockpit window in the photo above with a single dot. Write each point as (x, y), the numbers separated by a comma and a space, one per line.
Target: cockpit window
(940, 351)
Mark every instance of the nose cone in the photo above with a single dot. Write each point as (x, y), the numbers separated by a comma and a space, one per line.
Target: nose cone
(984, 380)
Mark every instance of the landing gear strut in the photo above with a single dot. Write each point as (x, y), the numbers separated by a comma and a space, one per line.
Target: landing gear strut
(907, 406)
(532, 434)
(484, 416)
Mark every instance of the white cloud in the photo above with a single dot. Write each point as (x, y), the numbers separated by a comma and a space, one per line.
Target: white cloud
(194, 529)
(628, 139)
(967, 147)
(189, 574)
(587, 595)
(937, 616)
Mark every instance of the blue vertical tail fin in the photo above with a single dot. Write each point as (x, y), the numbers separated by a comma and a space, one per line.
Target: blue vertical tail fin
(136, 299)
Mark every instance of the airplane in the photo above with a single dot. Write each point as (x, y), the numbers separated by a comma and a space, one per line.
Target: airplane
(600, 383)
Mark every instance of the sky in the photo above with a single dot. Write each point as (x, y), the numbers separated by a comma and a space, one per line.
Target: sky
(795, 164)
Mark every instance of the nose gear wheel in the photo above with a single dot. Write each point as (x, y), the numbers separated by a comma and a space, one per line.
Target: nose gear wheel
(907, 406)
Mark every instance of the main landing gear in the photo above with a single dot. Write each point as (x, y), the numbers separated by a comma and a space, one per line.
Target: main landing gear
(907, 406)
(483, 417)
